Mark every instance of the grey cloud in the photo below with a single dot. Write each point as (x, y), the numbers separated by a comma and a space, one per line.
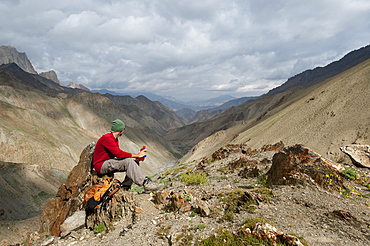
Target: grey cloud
(183, 48)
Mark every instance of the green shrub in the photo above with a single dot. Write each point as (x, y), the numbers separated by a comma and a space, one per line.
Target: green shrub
(100, 227)
(228, 238)
(138, 189)
(350, 173)
(235, 201)
(194, 178)
(201, 226)
(250, 222)
(163, 232)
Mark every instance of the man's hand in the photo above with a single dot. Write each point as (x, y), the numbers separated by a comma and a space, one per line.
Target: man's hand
(141, 155)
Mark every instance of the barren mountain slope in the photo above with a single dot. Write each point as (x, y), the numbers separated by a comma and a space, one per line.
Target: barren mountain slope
(335, 113)
(45, 125)
(24, 189)
(188, 136)
(41, 138)
(37, 129)
(139, 133)
(152, 114)
(234, 120)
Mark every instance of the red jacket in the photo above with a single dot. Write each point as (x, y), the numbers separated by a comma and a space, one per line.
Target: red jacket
(107, 148)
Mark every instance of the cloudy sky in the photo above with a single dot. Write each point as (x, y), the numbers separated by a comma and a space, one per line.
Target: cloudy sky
(184, 49)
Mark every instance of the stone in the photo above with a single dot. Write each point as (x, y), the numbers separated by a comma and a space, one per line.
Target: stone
(160, 197)
(203, 208)
(70, 199)
(266, 231)
(359, 154)
(176, 201)
(299, 165)
(74, 222)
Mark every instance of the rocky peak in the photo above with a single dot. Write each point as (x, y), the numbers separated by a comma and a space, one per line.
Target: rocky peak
(9, 54)
(51, 75)
(78, 86)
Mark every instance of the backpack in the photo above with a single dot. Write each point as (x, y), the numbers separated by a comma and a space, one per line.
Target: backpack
(98, 193)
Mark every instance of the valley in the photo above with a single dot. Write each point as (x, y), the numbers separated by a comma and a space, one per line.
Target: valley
(45, 126)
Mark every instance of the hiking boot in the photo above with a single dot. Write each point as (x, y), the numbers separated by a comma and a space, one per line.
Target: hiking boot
(150, 186)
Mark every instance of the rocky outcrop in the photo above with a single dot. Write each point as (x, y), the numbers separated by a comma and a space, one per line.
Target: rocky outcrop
(68, 202)
(78, 86)
(359, 154)
(51, 75)
(230, 209)
(9, 54)
(268, 232)
(300, 165)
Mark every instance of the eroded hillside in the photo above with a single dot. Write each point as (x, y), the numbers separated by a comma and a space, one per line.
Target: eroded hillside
(327, 116)
(251, 112)
(46, 125)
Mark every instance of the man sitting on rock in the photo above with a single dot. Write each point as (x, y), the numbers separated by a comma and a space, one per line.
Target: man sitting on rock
(109, 158)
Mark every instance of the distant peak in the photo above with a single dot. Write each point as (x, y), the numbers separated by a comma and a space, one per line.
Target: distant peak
(78, 86)
(10, 54)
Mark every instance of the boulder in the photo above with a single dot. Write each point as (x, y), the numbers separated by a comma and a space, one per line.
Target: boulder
(203, 208)
(359, 154)
(300, 165)
(69, 196)
(74, 222)
(70, 199)
(269, 233)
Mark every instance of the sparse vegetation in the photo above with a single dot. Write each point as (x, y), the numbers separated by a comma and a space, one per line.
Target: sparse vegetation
(248, 223)
(350, 173)
(138, 189)
(187, 197)
(100, 227)
(263, 180)
(236, 201)
(210, 160)
(201, 226)
(226, 237)
(194, 178)
(164, 232)
(265, 192)
(240, 237)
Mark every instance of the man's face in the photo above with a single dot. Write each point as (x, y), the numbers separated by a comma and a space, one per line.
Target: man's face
(121, 133)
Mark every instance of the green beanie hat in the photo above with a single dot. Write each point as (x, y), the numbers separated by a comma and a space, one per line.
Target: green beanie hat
(117, 126)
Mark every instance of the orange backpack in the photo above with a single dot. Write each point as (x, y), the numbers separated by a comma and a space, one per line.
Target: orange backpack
(98, 194)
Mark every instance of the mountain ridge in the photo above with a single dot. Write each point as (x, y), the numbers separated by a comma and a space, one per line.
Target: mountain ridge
(45, 125)
(257, 109)
(312, 76)
(326, 115)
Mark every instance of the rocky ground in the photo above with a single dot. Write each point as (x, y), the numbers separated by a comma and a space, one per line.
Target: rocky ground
(236, 193)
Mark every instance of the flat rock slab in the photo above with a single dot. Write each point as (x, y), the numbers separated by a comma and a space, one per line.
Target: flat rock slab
(359, 154)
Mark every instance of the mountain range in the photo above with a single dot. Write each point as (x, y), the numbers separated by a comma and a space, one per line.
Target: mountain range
(192, 111)
(255, 111)
(44, 125)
